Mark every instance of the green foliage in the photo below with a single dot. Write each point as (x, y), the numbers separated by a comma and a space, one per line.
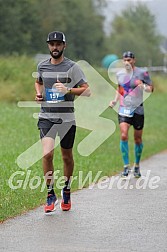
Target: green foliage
(81, 23)
(16, 81)
(26, 23)
(88, 37)
(135, 30)
(18, 26)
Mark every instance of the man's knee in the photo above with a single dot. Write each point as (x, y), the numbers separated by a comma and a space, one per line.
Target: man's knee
(48, 156)
(124, 136)
(67, 158)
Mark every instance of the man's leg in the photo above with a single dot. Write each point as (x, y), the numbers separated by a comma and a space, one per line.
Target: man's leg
(67, 136)
(68, 163)
(138, 131)
(138, 145)
(48, 141)
(124, 128)
(47, 160)
(138, 151)
(67, 141)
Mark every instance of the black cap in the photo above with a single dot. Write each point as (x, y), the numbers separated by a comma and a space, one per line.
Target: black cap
(128, 54)
(56, 36)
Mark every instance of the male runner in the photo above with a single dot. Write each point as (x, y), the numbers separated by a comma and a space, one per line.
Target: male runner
(59, 80)
(131, 84)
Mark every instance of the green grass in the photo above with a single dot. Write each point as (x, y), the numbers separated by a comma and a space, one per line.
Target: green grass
(19, 132)
(16, 75)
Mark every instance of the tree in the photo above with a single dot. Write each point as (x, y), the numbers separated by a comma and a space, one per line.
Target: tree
(135, 30)
(80, 21)
(18, 26)
(24, 25)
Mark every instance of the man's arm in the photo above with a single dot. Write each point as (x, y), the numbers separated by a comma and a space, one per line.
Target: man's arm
(39, 90)
(148, 88)
(116, 99)
(83, 89)
(145, 86)
(146, 83)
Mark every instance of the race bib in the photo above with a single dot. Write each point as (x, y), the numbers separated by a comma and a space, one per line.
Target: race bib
(53, 96)
(124, 111)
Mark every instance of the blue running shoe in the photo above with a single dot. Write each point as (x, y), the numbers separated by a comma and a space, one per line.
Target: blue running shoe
(137, 173)
(65, 204)
(125, 172)
(51, 202)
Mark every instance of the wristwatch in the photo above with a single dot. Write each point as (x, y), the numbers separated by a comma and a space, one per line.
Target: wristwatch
(145, 87)
(68, 90)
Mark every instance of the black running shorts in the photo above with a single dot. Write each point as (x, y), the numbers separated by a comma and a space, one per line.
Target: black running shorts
(65, 130)
(137, 120)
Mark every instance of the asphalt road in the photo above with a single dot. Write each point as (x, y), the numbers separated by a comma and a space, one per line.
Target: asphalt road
(114, 216)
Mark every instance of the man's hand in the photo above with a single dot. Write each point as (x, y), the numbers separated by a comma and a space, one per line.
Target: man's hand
(140, 84)
(60, 87)
(112, 103)
(144, 86)
(38, 98)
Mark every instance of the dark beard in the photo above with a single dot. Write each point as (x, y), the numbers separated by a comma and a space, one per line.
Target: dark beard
(58, 55)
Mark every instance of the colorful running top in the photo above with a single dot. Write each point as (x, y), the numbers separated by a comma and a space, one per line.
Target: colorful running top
(131, 96)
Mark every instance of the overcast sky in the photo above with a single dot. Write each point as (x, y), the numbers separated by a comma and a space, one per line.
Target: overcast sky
(156, 7)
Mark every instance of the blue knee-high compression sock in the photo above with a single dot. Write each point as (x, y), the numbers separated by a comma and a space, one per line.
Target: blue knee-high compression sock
(138, 152)
(125, 152)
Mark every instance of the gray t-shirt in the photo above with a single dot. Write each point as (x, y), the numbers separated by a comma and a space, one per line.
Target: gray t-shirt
(56, 105)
